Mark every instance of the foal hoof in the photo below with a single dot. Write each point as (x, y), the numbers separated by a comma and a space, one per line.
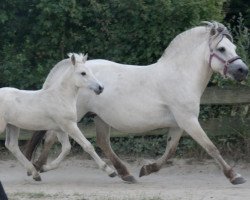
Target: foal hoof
(37, 178)
(114, 174)
(148, 169)
(129, 179)
(29, 173)
(238, 180)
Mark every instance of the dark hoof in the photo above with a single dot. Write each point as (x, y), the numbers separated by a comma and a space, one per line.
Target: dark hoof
(114, 174)
(37, 178)
(29, 173)
(143, 171)
(238, 180)
(148, 169)
(129, 179)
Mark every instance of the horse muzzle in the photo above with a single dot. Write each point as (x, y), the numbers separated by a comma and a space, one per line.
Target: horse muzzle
(238, 71)
(98, 90)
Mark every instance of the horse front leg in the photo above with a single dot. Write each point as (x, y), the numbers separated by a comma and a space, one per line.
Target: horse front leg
(49, 141)
(72, 129)
(11, 143)
(173, 138)
(103, 141)
(192, 126)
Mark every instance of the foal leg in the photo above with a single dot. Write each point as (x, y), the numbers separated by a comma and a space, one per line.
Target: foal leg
(191, 125)
(66, 146)
(72, 129)
(50, 139)
(11, 142)
(173, 138)
(103, 141)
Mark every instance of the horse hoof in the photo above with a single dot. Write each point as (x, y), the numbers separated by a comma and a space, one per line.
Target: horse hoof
(238, 180)
(148, 169)
(37, 178)
(129, 179)
(143, 171)
(114, 174)
(29, 173)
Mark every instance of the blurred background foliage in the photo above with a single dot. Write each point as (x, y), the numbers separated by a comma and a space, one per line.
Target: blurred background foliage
(35, 34)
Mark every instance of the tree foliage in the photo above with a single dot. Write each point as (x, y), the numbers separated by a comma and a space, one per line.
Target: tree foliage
(35, 34)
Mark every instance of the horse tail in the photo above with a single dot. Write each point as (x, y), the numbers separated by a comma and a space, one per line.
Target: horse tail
(32, 144)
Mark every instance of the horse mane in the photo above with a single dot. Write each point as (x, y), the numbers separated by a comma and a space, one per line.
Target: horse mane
(60, 68)
(209, 31)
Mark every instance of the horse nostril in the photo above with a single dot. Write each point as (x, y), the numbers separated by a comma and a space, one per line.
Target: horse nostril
(240, 70)
(243, 71)
(100, 88)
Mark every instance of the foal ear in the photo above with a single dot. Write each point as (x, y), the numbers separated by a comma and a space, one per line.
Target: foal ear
(85, 57)
(73, 59)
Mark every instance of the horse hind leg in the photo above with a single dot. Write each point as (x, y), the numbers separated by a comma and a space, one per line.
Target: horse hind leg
(32, 144)
(50, 139)
(66, 146)
(103, 141)
(173, 138)
(11, 142)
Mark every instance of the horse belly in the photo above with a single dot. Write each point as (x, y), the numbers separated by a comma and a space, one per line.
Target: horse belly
(138, 120)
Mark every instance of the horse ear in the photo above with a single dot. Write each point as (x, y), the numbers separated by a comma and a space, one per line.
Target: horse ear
(213, 31)
(84, 59)
(73, 59)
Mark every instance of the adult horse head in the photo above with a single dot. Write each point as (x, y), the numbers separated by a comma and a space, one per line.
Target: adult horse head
(223, 58)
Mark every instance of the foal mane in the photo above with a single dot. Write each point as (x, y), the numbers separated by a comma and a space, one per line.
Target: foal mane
(58, 70)
(195, 36)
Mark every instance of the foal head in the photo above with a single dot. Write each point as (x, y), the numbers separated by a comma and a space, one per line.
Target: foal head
(83, 76)
(223, 57)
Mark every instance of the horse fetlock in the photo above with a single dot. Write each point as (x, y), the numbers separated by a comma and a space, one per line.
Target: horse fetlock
(109, 170)
(234, 177)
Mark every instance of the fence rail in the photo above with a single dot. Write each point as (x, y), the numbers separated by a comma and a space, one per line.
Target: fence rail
(215, 126)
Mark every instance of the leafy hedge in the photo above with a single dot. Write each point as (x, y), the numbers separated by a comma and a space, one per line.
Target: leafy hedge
(35, 34)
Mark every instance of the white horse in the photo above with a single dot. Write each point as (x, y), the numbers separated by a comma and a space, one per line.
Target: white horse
(52, 107)
(164, 94)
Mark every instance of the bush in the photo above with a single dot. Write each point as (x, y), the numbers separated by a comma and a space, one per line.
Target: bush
(38, 33)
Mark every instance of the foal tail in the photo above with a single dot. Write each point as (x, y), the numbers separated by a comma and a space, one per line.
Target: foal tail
(32, 144)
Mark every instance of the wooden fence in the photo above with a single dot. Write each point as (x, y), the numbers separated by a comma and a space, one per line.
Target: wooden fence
(237, 96)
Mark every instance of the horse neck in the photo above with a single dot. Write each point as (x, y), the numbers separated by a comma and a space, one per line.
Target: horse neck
(65, 87)
(190, 68)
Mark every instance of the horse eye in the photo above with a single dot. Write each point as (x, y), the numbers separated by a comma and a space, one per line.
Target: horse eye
(221, 49)
(83, 73)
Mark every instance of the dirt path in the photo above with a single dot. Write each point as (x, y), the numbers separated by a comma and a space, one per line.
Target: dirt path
(81, 180)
